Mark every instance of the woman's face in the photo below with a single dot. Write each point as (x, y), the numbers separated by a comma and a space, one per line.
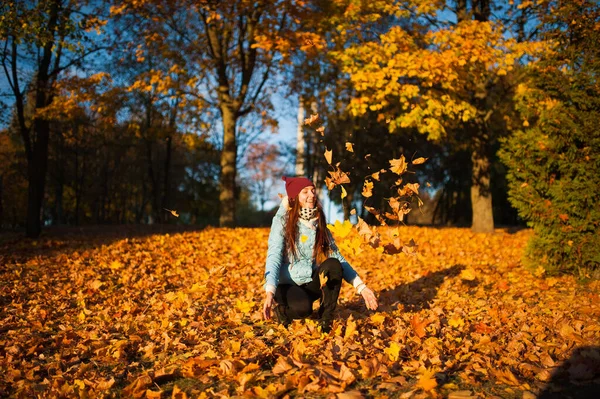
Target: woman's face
(307, 197)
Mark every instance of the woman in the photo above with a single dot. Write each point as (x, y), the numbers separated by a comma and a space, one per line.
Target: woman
(301, 254)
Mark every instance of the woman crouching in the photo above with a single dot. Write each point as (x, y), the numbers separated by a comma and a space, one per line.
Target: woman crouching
(301, 248)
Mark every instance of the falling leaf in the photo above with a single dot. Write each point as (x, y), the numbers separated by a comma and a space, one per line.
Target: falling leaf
(311, 119)
(172, 212)
(414, 187)
(367, 189)
(349, 147)
(322, 279)
(353, 211)
(328, 155)
(398, 166)
(344, 194)
(321, 130)
(419, 161)
(337, 177)
(375, 176)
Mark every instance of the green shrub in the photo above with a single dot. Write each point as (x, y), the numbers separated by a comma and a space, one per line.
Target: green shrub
(554, 165)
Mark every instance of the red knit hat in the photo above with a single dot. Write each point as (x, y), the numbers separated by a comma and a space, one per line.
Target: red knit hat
(293, 185)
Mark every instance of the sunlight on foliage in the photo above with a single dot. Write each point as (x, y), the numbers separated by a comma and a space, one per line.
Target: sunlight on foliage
(180, 314)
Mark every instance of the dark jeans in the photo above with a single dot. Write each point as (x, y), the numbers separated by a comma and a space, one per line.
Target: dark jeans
(296, 300)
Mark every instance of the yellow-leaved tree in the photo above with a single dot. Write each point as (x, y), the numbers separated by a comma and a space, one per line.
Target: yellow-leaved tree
(452, 80)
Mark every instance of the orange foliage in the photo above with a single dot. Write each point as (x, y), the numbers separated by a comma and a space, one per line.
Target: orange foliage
(179, 316)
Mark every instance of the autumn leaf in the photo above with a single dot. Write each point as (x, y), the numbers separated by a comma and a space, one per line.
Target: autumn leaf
(419, 161)
(367, 189)
(456, 322)
(350, 328)
(468, 274)
(282, 366)
(398, 166)
(418, 325)
(328, 155)
(322, 279)
(344, 193)
(427, 380)
(311, 119)
(393, 351)
(349, 147)
(375, 176)
(321, 130)
(172, 212)
(337, 177)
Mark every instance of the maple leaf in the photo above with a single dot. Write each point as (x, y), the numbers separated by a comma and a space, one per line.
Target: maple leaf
(337, 177)
(419, 325)
(427, 380)
(398, 166)
(375, 175)
(349, 147)
(393, 351)
(456, 322)
(340, 229)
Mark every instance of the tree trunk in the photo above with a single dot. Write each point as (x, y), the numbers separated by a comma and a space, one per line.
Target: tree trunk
(481, 196)
(228, 169)
(461, 10)
(301, 142)
(1, 206)
(167, 174)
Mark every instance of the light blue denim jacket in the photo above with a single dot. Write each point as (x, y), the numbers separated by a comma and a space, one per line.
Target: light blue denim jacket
(279, 269)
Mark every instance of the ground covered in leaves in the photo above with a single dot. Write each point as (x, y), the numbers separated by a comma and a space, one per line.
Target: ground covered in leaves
(179, 315)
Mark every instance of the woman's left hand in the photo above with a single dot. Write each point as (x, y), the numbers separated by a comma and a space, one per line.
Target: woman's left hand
(370, 299)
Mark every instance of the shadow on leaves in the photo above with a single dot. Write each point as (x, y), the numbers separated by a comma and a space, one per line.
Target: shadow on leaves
(417, 295)
(578, 377)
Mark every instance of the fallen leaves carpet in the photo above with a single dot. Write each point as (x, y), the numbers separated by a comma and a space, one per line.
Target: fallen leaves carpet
(179, 315)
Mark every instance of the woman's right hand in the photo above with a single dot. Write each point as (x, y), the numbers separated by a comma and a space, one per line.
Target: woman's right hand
(268, 306)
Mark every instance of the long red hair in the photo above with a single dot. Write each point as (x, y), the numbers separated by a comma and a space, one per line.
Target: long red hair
(322, 246)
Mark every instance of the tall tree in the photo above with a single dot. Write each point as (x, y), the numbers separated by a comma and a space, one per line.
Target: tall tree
(41, 40)
(229, 52)
(554, 158)
(452, 80)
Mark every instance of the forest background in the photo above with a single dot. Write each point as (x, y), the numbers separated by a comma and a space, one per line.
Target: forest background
(136, 146)
(119, 113)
